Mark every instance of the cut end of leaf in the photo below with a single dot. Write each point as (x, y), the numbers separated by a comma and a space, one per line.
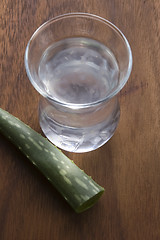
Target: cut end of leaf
(88, 204)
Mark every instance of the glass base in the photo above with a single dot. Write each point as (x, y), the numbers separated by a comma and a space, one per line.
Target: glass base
(78, 139)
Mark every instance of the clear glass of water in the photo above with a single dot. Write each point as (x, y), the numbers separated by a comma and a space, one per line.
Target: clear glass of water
(78, 62)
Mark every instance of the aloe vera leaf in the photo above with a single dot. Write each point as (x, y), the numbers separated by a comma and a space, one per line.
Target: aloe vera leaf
(78, 189)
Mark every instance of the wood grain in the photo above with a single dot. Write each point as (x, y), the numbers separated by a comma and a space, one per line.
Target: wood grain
(128, 166)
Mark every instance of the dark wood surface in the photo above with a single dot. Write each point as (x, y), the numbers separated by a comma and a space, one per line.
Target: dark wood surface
(128, 166)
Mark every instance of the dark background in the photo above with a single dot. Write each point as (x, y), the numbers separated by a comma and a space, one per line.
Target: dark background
(128, 166)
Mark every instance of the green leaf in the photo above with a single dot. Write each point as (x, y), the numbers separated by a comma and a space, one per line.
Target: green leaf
(77, 188)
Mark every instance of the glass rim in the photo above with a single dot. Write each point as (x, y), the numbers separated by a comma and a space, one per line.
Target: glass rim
(113, 93)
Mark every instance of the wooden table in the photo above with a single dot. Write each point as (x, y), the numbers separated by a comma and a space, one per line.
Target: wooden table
(128, 166)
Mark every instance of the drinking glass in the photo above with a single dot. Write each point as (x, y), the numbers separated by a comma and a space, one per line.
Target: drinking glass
(78, 62)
